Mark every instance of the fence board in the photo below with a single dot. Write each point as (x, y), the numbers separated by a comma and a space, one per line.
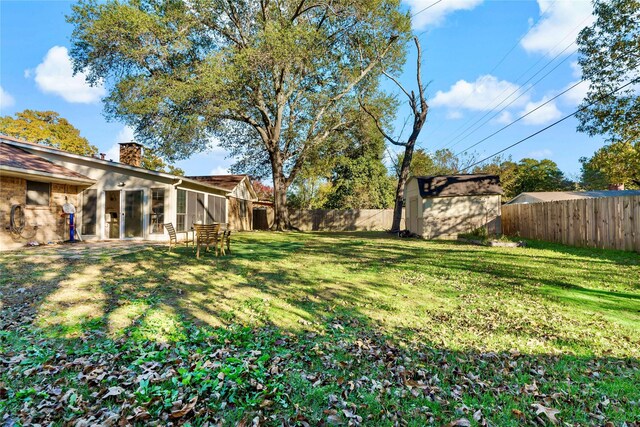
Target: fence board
(606, 222)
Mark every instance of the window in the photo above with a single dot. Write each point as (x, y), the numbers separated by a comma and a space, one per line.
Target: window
(156, 220)
(38, 193)
(217, 209)
(191, 209)
(200, 208)
(89, 212)
(181, 211)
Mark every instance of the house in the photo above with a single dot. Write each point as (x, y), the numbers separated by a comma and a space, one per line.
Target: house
(444, 206)
(113, 200)
(552, 196)
(240, 197)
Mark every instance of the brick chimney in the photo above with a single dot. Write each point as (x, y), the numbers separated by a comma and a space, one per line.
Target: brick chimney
(131, 153)
(613, 187)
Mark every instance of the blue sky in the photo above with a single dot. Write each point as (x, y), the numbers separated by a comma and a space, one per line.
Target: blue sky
(475, 54)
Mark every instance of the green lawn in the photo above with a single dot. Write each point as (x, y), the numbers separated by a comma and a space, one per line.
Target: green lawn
(313, 329)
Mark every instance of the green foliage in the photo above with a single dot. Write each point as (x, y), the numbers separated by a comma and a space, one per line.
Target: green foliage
(609, 59)
(151, 161)
(480, 233)
(321, 328)
(526, 175)
(47, 128)
(359, 178)
(348, 172)
(441, 162)
(507, 170)
(515, 178)
(539, 175)
(272, 80)
(616, 163)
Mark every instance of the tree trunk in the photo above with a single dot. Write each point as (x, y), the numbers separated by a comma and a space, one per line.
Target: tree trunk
(402, 180)
(281, 215)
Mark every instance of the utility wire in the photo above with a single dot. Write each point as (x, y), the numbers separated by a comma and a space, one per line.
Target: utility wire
(520, 118)
(549, 126)
(462, 137)
(460, 134)
(426, 8)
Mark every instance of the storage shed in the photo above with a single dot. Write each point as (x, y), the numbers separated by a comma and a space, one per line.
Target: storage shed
(441, 207)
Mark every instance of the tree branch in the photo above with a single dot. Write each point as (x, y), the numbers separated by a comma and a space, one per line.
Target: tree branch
(393, 79)
(423, 102)
(377, 123)
(351, 85)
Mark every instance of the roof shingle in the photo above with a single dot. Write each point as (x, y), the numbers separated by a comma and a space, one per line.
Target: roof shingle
(18, 158)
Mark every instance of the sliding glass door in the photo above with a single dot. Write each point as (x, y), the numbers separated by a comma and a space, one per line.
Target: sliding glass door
(133, 214)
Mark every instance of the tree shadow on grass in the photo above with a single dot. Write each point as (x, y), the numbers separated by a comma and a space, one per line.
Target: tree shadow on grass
(296, 279)
(328, 298)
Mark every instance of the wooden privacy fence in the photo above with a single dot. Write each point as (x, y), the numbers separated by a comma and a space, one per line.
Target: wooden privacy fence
(343, 220)
(605, 222)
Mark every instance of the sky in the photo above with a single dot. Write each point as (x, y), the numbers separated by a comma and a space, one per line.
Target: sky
(487, 63)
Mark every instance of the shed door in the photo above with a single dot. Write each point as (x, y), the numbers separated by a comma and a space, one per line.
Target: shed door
(413, 215)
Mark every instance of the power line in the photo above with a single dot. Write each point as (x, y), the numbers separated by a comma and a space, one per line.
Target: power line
(461, 137)
(460, 134)
(426, 8)
(520, 118)
(549, 126)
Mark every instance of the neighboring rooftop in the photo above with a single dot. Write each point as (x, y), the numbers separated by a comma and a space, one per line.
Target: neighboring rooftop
(458, 185)
(552, 196)
(228, 182)
(16, 159)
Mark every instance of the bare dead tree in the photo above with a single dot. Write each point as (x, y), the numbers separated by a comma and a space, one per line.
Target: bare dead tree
(419, 109)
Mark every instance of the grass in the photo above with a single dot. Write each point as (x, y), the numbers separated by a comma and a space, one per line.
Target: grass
(293, 328)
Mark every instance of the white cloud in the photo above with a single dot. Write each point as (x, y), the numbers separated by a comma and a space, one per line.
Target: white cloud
(454, 115)
(6, 100)
(436, 13)
(214, 146)
(576, 95)
(504, 118)
(576, 70)
(481, 95)
(125, 135)
(542, 116)
(219, 170)
(545, 153)
(55, 75)
(561, 22)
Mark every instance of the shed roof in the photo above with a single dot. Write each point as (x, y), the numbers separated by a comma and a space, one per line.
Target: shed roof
(458, 185)
(552, 196)
(15, 159)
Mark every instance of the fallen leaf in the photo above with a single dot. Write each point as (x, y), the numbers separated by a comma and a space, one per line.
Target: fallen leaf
(549, 412)
(334, 419)
(518, 414)
(113, 391)
(462, 422)
(179, 413)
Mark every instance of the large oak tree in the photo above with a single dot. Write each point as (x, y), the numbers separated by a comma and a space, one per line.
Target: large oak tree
(270, 79)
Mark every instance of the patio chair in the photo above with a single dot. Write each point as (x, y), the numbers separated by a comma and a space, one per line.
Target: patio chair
(207, 235)
(226, 240)
(173, 236)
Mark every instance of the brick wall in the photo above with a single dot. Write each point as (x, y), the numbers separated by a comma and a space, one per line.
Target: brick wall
(43, 223)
